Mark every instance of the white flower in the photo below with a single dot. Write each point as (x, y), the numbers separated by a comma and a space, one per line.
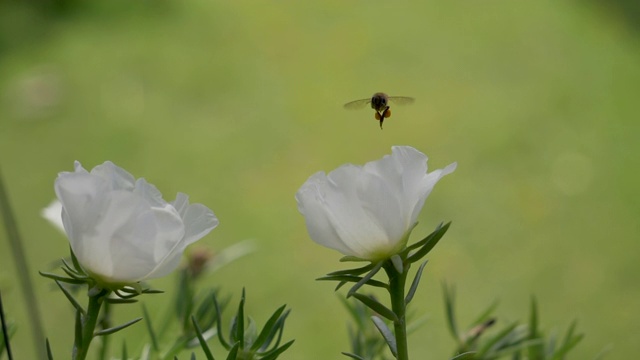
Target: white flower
(368, 211)
(53, 213)
(120, 228)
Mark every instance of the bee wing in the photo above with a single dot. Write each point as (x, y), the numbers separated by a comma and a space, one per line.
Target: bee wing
(402, 100)
(357, 104)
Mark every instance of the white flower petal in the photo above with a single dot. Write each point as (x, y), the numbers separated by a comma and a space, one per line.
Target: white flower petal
(117, 177)
(121, 230)
(368, 211)
(312, 205)
(427, 184)
(53, 213)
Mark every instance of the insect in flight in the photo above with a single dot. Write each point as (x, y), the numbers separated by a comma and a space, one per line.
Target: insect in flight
(380, 103)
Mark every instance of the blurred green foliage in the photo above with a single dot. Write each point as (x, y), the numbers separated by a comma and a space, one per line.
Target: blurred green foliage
(237, 103)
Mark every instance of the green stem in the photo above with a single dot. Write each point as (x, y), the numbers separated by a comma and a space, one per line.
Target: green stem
(89, 321)
(23, 271)
(396, 290)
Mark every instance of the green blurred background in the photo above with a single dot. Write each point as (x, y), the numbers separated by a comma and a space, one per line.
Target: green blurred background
(236, 103)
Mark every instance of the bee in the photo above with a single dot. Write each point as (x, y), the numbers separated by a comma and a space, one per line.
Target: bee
(380, 103)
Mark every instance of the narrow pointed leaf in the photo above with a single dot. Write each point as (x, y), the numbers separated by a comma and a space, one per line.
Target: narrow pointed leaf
(61, 278)
(75, 276)
(414, 284)
(356, 271)
(233, 353)
(429, 244)
(484, 316)
(239, 325)
(570, 331)
(365, 279)
(267, 329)
(48, 348)
(353, 356)
(377, 307)
(353, 278)
(201, 339)
(340, 284)
(272, 355)
(449, 303)
(386, 334)
(535, 351)
(114, 329)
(423, 241)
(76, 263)
(566, 347)
(224, 343)
(125, 356)
(465, 356)
(484, 349)
(152, 334)
(278, 329)
(121, 301)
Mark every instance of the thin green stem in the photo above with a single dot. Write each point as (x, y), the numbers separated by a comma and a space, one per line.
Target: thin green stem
(397, 283)
(89, 321)
(23, 271)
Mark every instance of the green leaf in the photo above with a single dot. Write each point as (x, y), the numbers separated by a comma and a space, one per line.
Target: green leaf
(120, 301)
(515, 347)
(414, 284)
(238, 334)
(365, 279)
(76, 263)
(353, 278)
(535, 351)
(224, 343)
(465, 356)
(356, 271)
(125, 356)
(152, 334)
(272, 355)
(48, 348)
(201, 339)
(386, 334)
(352, 258)
(114, 329)
(486, 347)
(566, 347)
(353, 356)
(268, 328)
(421, 242)
(449, 302)
(484, 316)
(428, 243)
(233, 353)
(61, 278)
(376, 306)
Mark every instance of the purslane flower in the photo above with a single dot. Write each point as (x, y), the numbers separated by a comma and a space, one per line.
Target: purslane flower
(121, 229)
(368, 211)
(53, 214)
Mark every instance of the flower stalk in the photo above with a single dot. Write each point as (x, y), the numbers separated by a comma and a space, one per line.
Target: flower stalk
(88, 323)
(397, 282)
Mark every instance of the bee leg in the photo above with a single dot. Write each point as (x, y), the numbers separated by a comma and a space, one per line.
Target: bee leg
(377, 116)
(387, 113)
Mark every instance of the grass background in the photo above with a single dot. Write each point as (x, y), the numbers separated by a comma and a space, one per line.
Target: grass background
(237, 103)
